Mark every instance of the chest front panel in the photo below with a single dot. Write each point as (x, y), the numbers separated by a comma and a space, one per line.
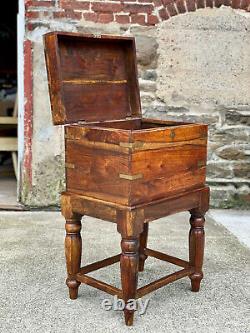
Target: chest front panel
(112, 164)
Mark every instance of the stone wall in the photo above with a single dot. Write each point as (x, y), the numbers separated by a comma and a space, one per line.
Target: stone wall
(203, 75)
(192, 67)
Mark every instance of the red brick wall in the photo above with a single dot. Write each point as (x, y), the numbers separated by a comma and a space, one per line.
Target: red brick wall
(142, 12)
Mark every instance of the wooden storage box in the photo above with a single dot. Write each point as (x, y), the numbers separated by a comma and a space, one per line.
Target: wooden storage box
(112, 154)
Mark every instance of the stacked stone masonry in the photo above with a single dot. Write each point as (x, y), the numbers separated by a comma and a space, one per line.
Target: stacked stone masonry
(192, 67)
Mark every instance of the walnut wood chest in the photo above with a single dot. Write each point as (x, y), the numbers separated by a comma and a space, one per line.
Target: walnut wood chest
(112, 153)
(119, 166)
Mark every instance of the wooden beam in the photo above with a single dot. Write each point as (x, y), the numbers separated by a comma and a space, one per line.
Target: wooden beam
(99, 285)
(166, 257)
(163, 281)
(8, 144)
(8, 120)
(100, 264)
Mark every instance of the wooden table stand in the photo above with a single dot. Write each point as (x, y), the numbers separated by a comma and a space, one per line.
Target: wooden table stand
(132, 224)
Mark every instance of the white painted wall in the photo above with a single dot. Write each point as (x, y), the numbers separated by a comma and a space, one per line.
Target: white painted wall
(20, 79)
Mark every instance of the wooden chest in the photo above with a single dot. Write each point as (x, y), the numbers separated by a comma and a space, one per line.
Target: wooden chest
(112, 153)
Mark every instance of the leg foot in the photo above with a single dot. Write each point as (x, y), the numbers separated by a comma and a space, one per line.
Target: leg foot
(196, 281)
(73, 252)
(143, 245)
(73, 286)
(129, 317)
(196, 249)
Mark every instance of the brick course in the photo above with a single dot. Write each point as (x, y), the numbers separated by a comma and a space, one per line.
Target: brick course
(140, 12)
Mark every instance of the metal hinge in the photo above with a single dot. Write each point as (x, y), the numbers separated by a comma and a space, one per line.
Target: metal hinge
(132, 145)
(131, 177)
(70, 137)
(69, 166)
(201, 164)
(97, 35)
(172, 134)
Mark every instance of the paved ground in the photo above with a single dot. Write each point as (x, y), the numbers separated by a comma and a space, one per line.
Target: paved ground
(34, 297)
(236, 221)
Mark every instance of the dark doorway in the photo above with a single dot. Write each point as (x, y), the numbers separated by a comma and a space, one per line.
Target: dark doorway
(8, 105)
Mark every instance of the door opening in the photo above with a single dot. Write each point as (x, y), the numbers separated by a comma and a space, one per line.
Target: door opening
(8, 105)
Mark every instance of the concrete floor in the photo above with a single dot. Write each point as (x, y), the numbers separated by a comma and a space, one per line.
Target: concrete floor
(34, 297)
(236, 221)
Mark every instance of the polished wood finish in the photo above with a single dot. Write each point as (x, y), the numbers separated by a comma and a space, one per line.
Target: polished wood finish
(179, 203)
(163, 281)
(142, 247)
(91, 78)
(100, 264)
(107, 210)
(166, 257)
(99, 285)
(129, 273)
(120, 167)
(131, 167)
(196, 249)
(130, 226)
(73, 251)
(73, 245)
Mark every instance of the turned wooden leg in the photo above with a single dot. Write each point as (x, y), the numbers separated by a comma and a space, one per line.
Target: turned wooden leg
(196, 249)
(129, 273)
(143, 245)
(73, 252)
(130, 226)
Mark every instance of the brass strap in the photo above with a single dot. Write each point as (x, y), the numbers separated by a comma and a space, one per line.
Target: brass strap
(132, 145)
(69, 166)
(201, 164)
(71, 137)
(131, 177)
(81, 81)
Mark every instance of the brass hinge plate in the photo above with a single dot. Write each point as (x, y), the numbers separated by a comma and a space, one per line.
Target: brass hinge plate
(172, 134)
(132, 145)
(97, 35)
(201, 164)
(70, 137)
(69, 166)
(131, 177)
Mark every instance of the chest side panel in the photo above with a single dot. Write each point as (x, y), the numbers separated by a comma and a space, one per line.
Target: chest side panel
(94, 162)
(169, 168)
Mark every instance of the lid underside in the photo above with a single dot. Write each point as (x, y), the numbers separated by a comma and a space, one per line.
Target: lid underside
(91, 79)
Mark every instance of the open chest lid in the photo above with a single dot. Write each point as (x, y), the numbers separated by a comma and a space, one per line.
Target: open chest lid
(91, 78)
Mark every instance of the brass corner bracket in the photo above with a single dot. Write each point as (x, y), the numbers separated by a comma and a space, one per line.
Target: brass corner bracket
(131, 177)
(131, 145)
